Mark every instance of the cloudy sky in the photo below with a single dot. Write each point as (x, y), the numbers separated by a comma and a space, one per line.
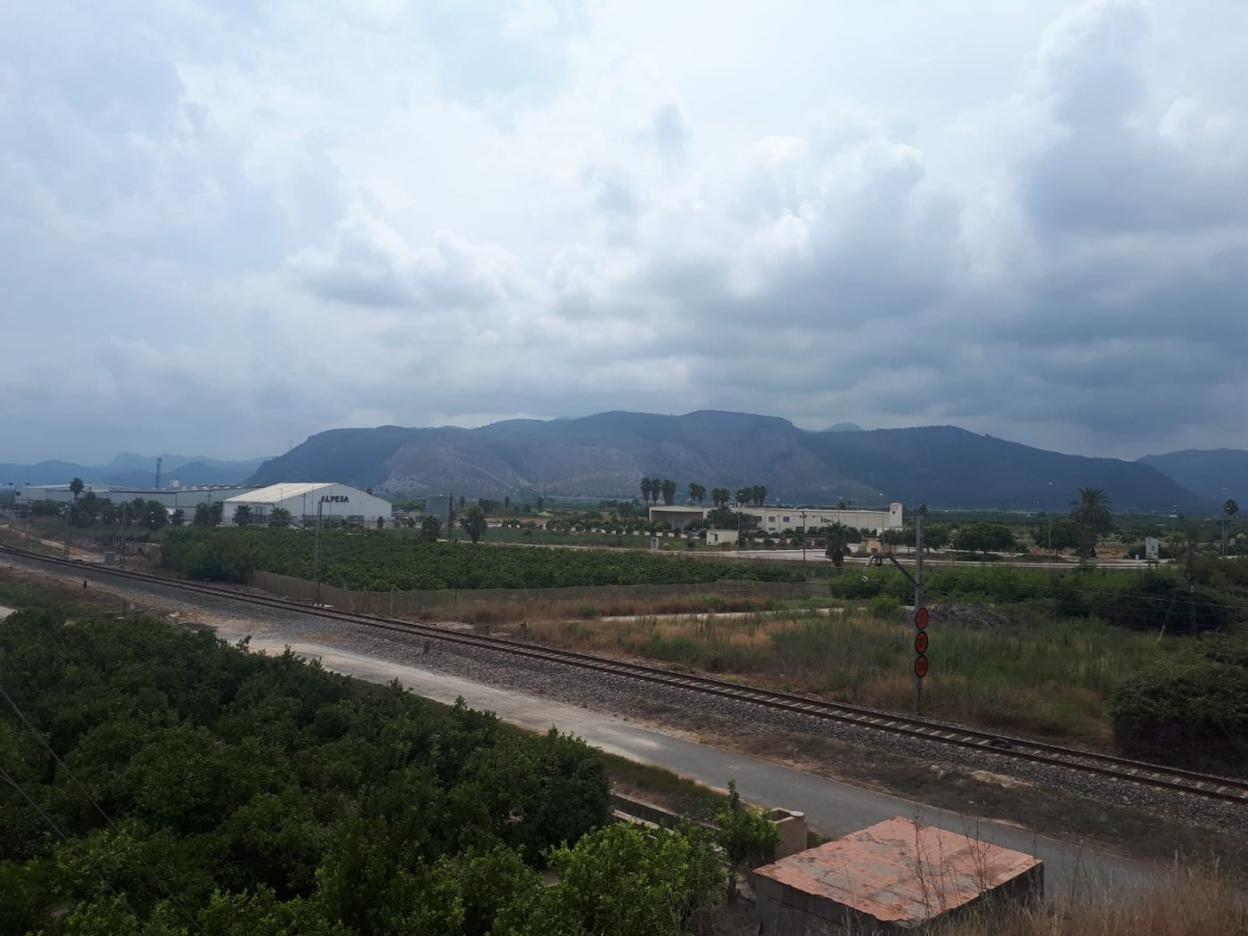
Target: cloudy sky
(223, 229)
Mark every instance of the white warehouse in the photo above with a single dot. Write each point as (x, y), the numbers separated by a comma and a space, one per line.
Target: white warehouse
(306, 500)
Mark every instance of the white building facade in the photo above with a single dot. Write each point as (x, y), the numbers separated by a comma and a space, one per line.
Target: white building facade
(308, 500)
(785, 519)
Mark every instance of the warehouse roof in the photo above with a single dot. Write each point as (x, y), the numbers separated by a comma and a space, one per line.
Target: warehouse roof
(277, 492)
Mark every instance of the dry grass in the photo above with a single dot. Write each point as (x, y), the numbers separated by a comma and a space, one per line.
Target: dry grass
(1185, 901)
(1048, 678)
(513, 612)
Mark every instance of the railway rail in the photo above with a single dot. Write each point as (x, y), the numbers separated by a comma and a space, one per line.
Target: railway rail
(1088, 762)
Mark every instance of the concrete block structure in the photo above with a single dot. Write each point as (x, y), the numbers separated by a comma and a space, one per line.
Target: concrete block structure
(721, 537)
(893, 877)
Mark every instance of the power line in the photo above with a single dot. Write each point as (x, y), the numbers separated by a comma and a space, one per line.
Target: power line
(160, 884)
(4, 775)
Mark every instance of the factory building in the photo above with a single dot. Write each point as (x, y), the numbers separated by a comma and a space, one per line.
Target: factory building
(308, 500)
(785, 519)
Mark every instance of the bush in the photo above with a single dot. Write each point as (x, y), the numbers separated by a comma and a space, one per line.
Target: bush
(1192, 711)
(1159, 602)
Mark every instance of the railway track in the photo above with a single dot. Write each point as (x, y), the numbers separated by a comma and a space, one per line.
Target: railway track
(1088, 762)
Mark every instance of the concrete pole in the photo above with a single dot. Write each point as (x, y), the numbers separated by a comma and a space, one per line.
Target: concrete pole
(918, 589)
(316, 556)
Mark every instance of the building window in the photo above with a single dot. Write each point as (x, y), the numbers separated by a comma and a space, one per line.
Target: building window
(786, 519)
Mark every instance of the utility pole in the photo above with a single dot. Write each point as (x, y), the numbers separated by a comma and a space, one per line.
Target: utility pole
(450, 516)
(803, 536)
(918, 589)
(158, 461)
(316, 556)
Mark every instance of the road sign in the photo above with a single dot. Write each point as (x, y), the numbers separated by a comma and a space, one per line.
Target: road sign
(920, 618)
(920, 666)
(920, 642)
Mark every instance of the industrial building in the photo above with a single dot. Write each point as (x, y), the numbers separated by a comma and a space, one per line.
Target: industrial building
(308, 500)
(173, 497)
(785, 519)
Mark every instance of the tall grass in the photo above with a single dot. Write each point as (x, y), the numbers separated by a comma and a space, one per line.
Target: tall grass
(1051, 678)
(1185, 901)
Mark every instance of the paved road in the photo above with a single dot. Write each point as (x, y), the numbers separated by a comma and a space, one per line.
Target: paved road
(832, 808)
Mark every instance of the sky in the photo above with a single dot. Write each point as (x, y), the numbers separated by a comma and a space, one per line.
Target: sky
(225, 226)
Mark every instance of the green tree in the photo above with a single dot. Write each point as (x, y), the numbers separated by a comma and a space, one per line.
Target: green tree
(473, 522)
(279, 517)
(1092, 516)
(720, 496)
(985, 538)
(758, 495)
(178, 517)
(203, 516)
(75, 487)
(838, 543)
(1230, 508)
(623, 881)
(242, 515)
(430, 529)
(744, 495)
(747, 837)
(697, 493)
(668, 489)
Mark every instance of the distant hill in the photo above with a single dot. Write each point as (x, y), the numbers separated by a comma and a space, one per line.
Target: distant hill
(606, 455)
(133, 471)
(1216, 474)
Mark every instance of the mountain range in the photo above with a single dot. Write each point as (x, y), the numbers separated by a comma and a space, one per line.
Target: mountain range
(607, 454)
(131, 470)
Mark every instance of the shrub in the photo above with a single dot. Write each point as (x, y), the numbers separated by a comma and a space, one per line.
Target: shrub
(1159, 602)
(1192, 710)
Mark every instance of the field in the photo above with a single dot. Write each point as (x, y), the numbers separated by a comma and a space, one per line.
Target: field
(381, 562)
(1036, 676)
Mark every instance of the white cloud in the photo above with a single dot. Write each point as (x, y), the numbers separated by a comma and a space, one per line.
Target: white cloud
(230, 227)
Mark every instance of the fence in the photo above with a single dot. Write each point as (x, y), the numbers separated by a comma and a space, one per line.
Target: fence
(418, 602)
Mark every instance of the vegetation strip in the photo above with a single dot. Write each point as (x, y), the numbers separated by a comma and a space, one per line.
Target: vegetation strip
(1185, 781)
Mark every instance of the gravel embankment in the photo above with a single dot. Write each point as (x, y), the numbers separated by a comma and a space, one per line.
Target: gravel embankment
(648, 702)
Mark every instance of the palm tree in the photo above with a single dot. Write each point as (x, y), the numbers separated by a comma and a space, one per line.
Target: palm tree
(697, 493)
(838, 543)
(743, 496)
(1230, 508)
(1092, 515)
(720, 497)
(758, 495)
(667, 487)
(75, 487)
(647, 488)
